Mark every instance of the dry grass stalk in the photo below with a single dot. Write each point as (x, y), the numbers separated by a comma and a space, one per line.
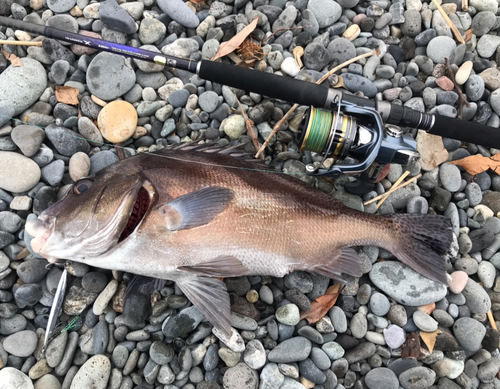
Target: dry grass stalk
(462, 98)
(295, 106)
(448, 21)
(395, 185)
(20, 43)
(393, 189)
(249, 125)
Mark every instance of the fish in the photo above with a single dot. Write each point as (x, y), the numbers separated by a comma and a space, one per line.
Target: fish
(196, 215)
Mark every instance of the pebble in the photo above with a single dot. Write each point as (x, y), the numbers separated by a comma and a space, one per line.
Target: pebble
(405, 285)
(27, 173)
(13, 378)
(110, 76)
(469, 333)
(254, 355)
(417, 378)
(94, 373)
(424, 322)
(240, 376)
(22, 86)
(117, 121)
(288, 314)
(291, 350)
(21, 344)
(27, 138)
(381, 376)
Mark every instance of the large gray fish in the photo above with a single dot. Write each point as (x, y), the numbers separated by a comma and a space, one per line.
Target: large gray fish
(192, 216)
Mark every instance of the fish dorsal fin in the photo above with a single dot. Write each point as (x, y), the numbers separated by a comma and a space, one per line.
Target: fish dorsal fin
(210, 296)
(223, 266)
(196, 208)
(238, 151)
(345, 261)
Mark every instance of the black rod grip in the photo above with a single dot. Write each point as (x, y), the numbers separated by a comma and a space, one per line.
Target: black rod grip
(20, 25)
(267, 84)
(465, 131)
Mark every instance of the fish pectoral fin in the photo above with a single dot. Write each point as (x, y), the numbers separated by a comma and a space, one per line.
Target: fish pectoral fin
(143, 285)
(210, 296)
(223, 266)
(345, 262)
(196, 208)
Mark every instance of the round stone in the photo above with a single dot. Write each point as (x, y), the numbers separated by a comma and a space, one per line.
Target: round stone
(288, 314)
(22, 86)
(110, 76)
(21, 344)
(17, 173)
(79, 166)
(440, 48)
(117, 121)
(14, 378)
(381, 377)
(93, 374)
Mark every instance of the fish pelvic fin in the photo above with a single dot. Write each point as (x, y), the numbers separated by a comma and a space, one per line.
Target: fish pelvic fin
(421, 239)
(346, 262)
(210, 296)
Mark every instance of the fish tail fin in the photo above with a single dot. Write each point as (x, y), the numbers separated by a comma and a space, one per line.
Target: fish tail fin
(420, 240)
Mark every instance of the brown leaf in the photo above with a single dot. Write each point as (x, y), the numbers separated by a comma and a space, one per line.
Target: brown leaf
(14, 59)
(232, 44)
(411, 346)
(67, 95)
(197, 1)
(321, 306)
(429, 339)
(468, 34)
(476, 164)
(298, 52)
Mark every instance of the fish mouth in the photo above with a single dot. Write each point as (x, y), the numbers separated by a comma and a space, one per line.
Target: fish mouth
(143, 201)
(41, 229)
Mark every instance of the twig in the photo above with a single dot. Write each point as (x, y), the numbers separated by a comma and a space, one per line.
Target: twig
(20, 43)
(249, 125)
(395, 186)
(448, 21)
(393, 190)
(295, 106)
(462, 98)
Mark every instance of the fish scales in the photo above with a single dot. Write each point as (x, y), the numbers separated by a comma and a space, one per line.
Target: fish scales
(207, 215)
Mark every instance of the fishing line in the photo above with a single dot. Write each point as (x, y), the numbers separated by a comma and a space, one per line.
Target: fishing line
(160, 155)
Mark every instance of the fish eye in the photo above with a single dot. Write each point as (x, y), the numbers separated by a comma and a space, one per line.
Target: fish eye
(82, 186)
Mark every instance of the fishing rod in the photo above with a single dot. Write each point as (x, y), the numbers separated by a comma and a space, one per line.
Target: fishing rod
(337, 125)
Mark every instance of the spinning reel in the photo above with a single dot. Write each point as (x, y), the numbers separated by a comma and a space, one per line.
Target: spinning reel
(358, 133)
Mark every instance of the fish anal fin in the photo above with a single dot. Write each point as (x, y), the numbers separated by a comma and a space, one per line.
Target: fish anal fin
(210, 296)
(223, 266)
(345, 262)
(196, 208)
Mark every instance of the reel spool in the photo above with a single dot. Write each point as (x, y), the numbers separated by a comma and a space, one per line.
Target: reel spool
(355, 132)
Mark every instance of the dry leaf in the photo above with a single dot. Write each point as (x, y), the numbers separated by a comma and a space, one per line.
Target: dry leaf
(411, 346)
(14, 59)
(429, 339)
(476, 164)
(321, 306)
(340, 83)
(468, 34)
(298, 52)
(197, 1)
(23, 254)
(232, 44)
(67, 95)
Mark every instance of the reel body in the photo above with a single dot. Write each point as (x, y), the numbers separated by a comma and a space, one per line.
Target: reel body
(355, 132)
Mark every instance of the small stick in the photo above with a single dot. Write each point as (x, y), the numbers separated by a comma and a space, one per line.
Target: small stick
(463, 99)
(295, 106)
(394, 186)
(249, 125)
(393, 190)
(448, 21)
(20, 43)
